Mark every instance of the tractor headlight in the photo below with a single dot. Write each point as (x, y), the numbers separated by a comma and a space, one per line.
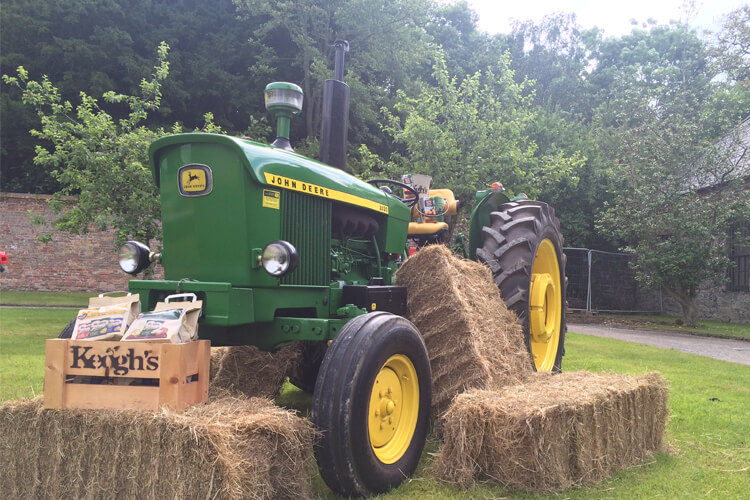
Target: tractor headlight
(134, 257)
(279, 258)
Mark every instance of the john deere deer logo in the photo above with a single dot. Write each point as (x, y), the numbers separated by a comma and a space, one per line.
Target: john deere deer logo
(195, 180)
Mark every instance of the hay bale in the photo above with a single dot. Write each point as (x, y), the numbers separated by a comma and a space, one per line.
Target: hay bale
(230, 448)
(555, 431)
(473, 340)
(248, 371)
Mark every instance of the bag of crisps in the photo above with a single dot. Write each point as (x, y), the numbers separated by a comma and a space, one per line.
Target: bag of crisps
(170, 321)
(106, 318)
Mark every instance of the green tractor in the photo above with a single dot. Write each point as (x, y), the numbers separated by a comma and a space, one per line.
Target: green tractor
(283, 248)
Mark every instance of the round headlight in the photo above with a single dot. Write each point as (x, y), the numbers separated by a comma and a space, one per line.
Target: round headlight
(279, 258)
(134, 257)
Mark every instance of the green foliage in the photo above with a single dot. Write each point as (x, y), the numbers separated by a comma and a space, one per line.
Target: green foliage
(97, 46)
(453, 27)
(295, 43)
(556, 54)
(571, 118)
(469, 133)
(101, 160)
(679, 191)
(731, 51)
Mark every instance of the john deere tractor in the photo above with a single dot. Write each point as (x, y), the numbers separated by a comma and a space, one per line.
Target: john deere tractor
(283, 248)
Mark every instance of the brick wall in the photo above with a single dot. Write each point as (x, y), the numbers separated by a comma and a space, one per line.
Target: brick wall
(69, 263)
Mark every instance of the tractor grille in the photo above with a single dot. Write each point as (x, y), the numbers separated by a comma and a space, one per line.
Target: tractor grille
(306, 224)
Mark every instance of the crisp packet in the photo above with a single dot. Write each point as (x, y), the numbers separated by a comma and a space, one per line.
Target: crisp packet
(106, 318)
(175, 322)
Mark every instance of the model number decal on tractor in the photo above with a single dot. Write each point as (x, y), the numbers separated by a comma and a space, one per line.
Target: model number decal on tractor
(271, 199)
(323, 192)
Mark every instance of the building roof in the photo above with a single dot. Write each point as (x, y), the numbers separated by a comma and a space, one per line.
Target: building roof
(732, 158)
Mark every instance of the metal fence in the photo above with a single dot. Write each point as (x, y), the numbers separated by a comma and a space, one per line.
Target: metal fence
(605, 282)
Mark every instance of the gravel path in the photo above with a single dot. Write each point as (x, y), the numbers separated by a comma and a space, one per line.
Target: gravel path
(735, 351)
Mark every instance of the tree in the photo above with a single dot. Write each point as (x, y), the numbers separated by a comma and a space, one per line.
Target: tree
(384, 34)
(679, 191)
(468, 133)
(101, 45)
(453, 27)
(731, 50)
(100, 160)
(556, 54)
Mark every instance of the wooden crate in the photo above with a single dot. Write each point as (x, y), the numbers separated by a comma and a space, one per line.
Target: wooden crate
(125, 375)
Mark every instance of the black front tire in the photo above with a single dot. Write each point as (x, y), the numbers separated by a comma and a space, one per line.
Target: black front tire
(352, 460)
(520, 235)
(67, 332)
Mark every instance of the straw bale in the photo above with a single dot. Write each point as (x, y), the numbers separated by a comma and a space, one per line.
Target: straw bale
(229, 448)
(473, 340)
(248, 371)
(554, 431)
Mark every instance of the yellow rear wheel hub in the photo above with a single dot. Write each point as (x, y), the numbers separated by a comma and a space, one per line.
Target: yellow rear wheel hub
(394, 408)
(545, 306)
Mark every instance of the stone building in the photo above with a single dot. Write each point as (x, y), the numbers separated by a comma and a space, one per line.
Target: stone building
(729, 302)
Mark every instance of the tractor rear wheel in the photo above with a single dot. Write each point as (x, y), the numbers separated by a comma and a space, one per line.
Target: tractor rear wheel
(372, 404)
(523, 246)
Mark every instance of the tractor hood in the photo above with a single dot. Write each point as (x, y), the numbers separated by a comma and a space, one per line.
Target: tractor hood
(285, 170)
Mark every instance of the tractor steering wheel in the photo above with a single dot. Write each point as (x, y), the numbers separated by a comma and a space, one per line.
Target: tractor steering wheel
(409, 202)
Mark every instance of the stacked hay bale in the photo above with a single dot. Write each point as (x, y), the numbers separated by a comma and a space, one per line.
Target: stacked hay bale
(232, 448)
(534, 431)
(553, 432)
(473, 340)
(248, 371)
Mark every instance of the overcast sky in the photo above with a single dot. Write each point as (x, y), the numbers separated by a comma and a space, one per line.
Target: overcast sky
(611, 16)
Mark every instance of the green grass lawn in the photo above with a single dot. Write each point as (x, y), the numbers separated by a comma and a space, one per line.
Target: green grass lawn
(22, 335)
(709, 440)
(77, 299)
(708, 431)
(661, 322)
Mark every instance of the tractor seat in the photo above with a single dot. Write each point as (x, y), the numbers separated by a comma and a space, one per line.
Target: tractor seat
(450, 197)
(418, 228)
(447, 195)
(426, 228)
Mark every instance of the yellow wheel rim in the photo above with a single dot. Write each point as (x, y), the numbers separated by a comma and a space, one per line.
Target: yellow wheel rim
(394, 408)
(545, 307)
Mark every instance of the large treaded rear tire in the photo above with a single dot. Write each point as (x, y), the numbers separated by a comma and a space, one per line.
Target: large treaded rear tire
(522, 235)
(372, 405)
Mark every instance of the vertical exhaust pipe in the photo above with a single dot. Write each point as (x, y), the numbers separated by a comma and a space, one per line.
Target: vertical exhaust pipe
(333, 129)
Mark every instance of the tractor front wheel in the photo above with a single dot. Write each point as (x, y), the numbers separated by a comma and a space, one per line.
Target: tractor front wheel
(372, 405)
(523, 246)
(67, 332)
